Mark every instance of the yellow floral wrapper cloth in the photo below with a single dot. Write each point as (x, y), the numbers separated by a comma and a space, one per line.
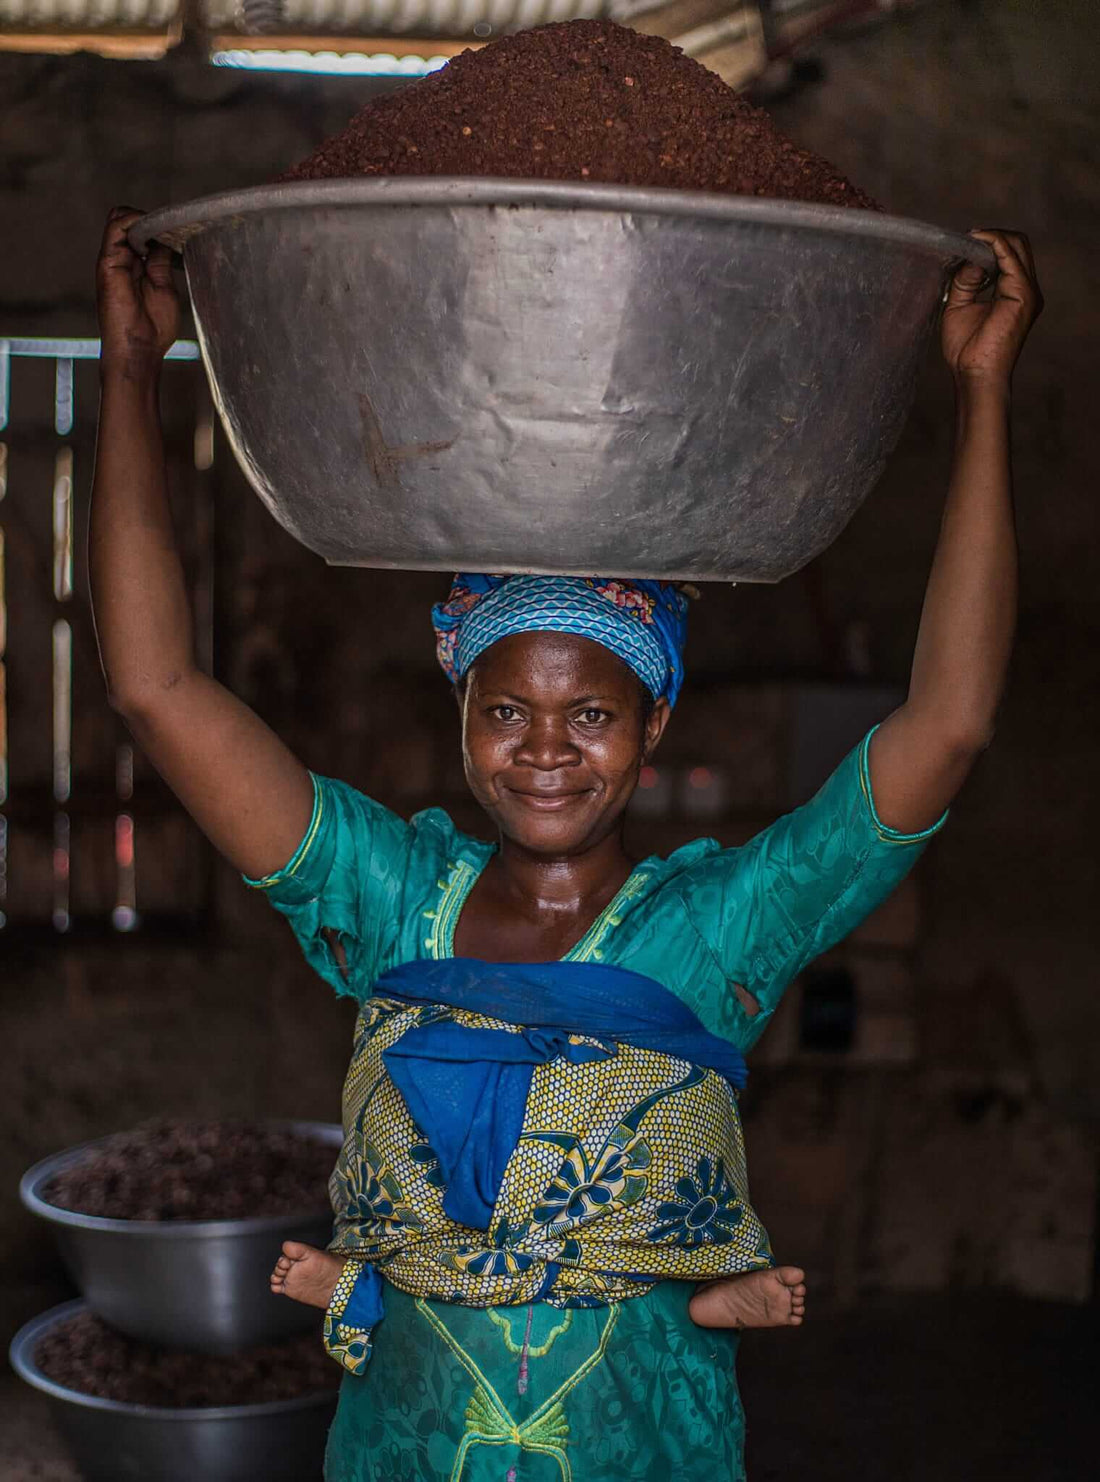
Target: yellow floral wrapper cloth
(559, 1132)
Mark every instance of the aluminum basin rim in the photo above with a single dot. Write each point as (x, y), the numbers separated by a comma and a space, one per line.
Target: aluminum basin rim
(328, 1133)
(177, 224)
(21, 1357)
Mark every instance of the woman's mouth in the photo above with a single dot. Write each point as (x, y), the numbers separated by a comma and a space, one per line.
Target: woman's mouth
(546, 801)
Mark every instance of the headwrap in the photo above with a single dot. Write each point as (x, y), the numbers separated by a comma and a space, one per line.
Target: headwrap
(644, 623)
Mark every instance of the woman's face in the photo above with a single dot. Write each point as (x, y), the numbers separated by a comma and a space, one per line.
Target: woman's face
(554, 734)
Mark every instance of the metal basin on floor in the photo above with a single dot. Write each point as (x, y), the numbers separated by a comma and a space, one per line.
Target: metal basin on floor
(529, 376)
(196, 1284)
(112, 1441)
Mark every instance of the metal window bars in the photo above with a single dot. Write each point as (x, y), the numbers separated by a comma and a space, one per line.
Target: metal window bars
(124, 915)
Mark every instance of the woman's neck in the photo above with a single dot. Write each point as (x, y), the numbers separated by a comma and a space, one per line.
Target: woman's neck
(559, 886)
(531, 908)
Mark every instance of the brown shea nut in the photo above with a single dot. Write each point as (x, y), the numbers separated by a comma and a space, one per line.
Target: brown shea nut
(84, 1354)
(684, 128)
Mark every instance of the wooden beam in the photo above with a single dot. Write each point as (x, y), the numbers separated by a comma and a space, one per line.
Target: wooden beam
(394, 46)
(122, 45)
(725, 35)
(678, 16)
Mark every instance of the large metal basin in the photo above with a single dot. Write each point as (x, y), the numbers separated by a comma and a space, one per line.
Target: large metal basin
(530, 376)
(197, 1284)
(116, 1442)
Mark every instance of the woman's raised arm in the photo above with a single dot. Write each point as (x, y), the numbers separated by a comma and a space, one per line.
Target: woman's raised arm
(242, 786)
(921, 755)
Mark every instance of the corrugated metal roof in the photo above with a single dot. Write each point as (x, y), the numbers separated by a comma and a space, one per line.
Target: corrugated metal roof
(373, 17)
(87, 15)
(301, 17)
(734, 37)
(400, 17)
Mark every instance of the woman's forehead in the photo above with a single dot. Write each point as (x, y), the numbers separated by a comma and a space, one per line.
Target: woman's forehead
(545, 661)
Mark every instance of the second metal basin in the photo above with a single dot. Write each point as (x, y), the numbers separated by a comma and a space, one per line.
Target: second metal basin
(116, 1442)
(200, 1284)
(529, 376)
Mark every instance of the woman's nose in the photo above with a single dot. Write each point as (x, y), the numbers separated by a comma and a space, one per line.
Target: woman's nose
(546, 746)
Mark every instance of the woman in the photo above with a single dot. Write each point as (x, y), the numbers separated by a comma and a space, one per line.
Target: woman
(542, 1149)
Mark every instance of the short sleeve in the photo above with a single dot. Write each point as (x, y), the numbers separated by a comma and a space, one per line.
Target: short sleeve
(803, 884)
(346, 877)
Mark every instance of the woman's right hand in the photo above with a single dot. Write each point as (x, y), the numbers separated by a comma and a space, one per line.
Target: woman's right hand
(139, 308)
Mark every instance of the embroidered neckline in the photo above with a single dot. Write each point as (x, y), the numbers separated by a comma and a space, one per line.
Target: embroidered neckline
(590, 946)
(461, 878)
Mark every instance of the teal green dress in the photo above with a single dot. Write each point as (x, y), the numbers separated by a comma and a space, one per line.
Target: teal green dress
(633, 1391)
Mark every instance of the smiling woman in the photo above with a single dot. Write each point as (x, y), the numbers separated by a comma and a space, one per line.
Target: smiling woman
(542, 1149)
(543, 1092)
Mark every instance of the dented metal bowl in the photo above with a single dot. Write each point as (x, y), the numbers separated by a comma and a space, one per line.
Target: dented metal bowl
(116, 1442)
(529, 376)
(197, 1284)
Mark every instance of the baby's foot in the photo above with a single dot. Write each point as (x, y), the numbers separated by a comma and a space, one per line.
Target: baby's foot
(760, 1299)
(306, 1274)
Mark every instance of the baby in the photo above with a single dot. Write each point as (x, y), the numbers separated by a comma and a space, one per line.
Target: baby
(775, 1298)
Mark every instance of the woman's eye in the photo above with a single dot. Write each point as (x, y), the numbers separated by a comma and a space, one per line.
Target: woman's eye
(593, 717)
(506, 712)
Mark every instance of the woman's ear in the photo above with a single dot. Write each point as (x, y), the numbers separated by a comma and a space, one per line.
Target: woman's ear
(655, 724)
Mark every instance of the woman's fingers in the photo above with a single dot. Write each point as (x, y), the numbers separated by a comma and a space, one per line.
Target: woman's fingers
(967, 282)
(119, 222)
(116, 256)
(1019, 241)
(1018, 279)
(115, 251)
(1005, 249)
(158, 265)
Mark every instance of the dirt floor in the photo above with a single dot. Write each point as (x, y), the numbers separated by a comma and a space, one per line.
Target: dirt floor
(976, 1388)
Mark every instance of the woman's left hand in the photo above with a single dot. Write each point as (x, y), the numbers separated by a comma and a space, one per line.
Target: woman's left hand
(982, 339)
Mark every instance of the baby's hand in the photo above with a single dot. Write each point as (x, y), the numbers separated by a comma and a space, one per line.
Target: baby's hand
(982, 340)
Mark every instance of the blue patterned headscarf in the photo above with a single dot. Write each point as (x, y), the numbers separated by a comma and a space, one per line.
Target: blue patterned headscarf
(644, 623)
